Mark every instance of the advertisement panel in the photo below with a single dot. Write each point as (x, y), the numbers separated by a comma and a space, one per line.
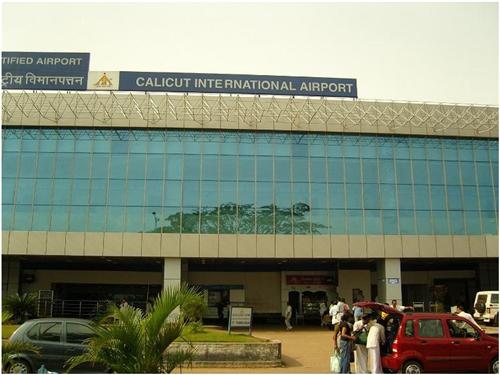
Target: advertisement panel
(238, 84)
(45, 70)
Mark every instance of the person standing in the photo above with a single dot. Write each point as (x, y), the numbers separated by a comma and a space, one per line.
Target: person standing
(340, 309)
(322, 312)
(358, 313)
(334, 314)
(460, 312)
(360, 329)
(288, 316)
(346, 340)
(376, 337)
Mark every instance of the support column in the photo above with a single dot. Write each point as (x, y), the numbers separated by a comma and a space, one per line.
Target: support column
(171, 272)
(389, 280)
(10, 277)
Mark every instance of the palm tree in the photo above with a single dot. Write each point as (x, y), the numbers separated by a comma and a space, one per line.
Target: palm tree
(10, 348)
(22, 306)
(136, 343)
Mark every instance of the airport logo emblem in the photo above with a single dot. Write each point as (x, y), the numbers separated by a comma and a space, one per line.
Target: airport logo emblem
(103, 81)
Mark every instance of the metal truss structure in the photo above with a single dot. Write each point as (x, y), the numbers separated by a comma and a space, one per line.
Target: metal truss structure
(168, 110)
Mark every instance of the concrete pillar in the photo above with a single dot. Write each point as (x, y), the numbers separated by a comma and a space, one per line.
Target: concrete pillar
(10, 277)
(171, 272)
(389, 280)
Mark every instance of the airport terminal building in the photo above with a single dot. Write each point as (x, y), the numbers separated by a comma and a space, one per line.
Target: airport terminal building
(255, 199)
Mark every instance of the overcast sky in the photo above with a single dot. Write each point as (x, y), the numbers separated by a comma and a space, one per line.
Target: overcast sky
(446, 52)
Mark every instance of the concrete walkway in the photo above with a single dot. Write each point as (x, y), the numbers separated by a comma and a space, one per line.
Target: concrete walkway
(304, 350)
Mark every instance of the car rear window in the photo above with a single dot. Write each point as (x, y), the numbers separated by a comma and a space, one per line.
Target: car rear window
(494, 298)
(50, 331)
(430, 328)
(481, 298)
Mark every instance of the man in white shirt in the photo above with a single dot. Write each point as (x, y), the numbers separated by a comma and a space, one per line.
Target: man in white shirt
(460, 312)
(376, 337)
(361, 353)
(333, 313)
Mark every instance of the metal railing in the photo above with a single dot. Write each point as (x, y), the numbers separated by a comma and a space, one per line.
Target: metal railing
(85, 309)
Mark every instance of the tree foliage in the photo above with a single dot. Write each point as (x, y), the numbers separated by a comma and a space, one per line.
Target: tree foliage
(244, 218)
(137, 343)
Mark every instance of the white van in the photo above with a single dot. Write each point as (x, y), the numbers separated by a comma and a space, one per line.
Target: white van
(486, 306)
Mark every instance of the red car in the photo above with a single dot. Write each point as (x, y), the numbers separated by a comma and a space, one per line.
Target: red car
(432, 342)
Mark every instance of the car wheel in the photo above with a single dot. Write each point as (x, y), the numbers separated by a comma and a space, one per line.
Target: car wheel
(494, 366)
(19, 366)
(412, 367)
(495, 320)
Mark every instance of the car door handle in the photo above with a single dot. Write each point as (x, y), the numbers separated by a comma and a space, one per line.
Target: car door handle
(423, 342)
(455, 342)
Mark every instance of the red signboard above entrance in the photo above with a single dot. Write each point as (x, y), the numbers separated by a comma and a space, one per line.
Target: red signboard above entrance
(309, 280)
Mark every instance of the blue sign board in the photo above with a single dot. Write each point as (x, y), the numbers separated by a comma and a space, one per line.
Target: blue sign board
(45, 70)
(238, 84)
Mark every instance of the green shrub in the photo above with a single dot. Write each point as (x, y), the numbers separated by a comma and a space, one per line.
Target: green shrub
(195, 308)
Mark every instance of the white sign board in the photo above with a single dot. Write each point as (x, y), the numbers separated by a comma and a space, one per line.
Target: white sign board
(240, 317)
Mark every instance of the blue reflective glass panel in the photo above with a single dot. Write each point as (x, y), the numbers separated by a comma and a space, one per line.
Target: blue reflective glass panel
(373, 222)
(489, 221)
(24, 194)
(370, 171)
(9, 164)
(246, 168)
(473, 222)
(23, 217)
(352, 170)
(338, 222)
(335, 170)
(422, 201)
(470, 198)
(406, 222)
(41, 218)
(452, 174)
(62, 192)
(440, 222)
(424, 223)
(370, 196)
(436, 172)
(355, 221)
(390, 221)
(7, 212)
(337, 195)
(192, 167)
(78, 219)
(454, 198)
(319, 222)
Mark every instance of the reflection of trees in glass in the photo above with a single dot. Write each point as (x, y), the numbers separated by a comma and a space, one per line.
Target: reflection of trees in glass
(233, 218)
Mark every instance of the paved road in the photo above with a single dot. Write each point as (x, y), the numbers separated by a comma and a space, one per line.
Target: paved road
(304, 350)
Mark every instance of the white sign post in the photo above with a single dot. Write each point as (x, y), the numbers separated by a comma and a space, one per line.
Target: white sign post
(240, 317)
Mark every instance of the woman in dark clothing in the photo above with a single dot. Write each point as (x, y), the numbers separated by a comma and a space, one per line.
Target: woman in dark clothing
(346, 340)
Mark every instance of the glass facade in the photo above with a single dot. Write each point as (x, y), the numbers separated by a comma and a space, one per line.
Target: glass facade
(247, 182)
